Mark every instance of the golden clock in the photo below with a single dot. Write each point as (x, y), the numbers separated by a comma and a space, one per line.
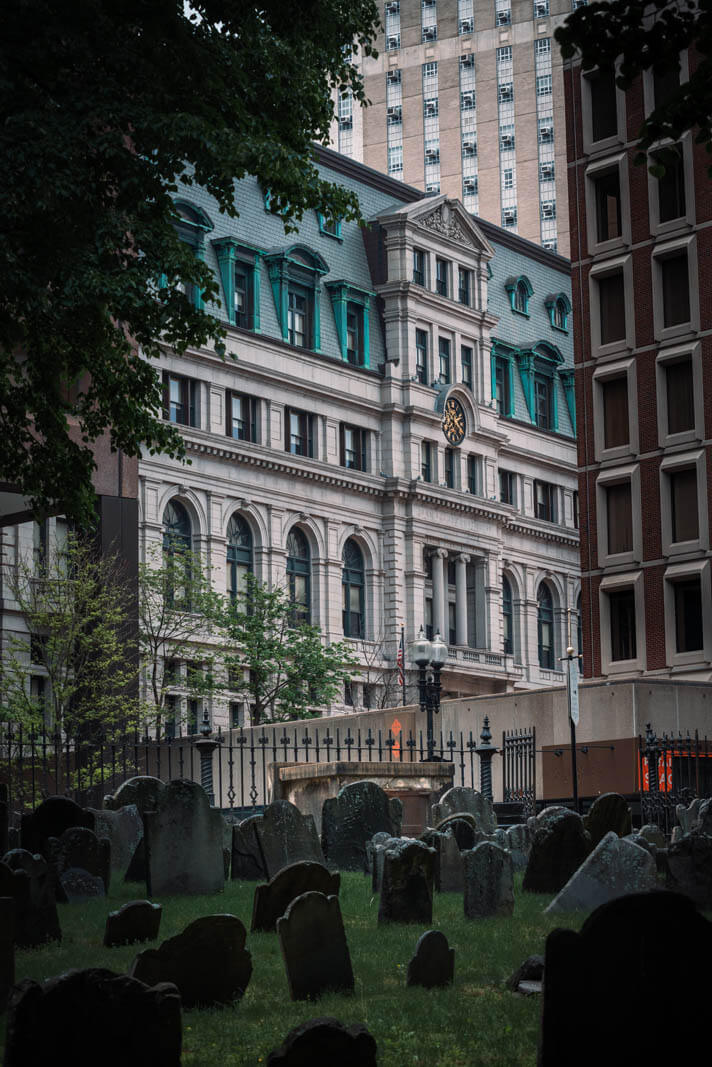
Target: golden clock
(453, 423)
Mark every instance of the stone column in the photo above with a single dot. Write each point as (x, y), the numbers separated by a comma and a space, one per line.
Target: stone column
(439, 618)
(461, 598)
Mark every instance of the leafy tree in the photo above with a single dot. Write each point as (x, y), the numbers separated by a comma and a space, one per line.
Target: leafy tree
(106, 110)
(282, 669)
(648, 36)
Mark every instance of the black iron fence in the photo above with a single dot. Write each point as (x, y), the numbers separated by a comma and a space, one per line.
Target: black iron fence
(672, 770)
(519, 768)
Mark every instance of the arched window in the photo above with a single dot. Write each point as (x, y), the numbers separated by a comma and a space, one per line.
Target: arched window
(545, 628)
(239, 556)
(507, 617)
(520, 290)
(352, 584)
(177, 541)
(299, 576)
(560, 314)
(579, 633)
(521, 297)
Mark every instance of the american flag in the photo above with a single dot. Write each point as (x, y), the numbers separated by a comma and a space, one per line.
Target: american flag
(400, 660)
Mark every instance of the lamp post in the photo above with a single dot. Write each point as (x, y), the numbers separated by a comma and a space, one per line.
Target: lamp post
(573, 704)
(206, 746)
(429, 654)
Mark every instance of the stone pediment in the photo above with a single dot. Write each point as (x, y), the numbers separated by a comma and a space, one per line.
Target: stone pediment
(449, 219)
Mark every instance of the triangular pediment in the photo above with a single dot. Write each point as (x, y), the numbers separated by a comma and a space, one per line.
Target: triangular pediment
(444, 216)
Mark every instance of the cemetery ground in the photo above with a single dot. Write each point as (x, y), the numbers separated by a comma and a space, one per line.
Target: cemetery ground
(475, 1021)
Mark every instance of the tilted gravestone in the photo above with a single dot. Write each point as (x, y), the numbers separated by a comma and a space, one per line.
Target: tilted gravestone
(433, 964)
(314, 949)
(350, 819)
(26, 878)
(80, 885)
(124, 829)
(142, 791)
(208, 962)
(247, 864)
(407, 883)
(451, 869)
(50, 819)
(559, 847)
(600, 983)
(608, 812)
(81, 848)
(272, 900)
(615, 868)
(530, 973)
(93, 1016)
(286, 836)
(183, 843)
(139, 920)
(462, 800)
(689, 868)
(7, 948)
(325, 1041)
(489, 881)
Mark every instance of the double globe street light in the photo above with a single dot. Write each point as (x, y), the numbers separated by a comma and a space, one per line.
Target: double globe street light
(429, 654)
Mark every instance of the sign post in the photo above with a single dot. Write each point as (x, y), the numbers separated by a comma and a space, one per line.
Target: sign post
(572, 693)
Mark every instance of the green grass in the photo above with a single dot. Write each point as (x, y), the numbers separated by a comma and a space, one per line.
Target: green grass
(476, 1021)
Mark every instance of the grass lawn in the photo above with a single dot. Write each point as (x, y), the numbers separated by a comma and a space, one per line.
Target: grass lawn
(473, 1022)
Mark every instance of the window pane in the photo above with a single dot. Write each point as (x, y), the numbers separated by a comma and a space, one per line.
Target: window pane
(680, 396)
(671, 188)
(604, 117)
(688, 615)
(611, 298)
(622, 611)
(683, 500)
(620, 518)
(676, 294)
(608, 206)
(616, 429)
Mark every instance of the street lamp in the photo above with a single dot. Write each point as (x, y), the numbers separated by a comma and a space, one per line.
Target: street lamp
(429, 654)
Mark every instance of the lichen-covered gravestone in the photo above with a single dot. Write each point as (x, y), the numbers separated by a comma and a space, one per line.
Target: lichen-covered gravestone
(286, 836)
(81, 848)
(452, 872)
(314, 949)
(208, 962)
(407, 883)
(26, 878)
(325, 1041)
(460, 799)
(7, 948)
(142, 791)
(377, 854)
(615, 868)
(350, 819)
(183, 843)
(433, 965)
(518, 841)
(272, 900)
(608, 812)
(124, 829)
(139, 920)
(689, 868)
(463, 827)
(489, 881)
(247, 864)
(93, 1016)
(559, 847)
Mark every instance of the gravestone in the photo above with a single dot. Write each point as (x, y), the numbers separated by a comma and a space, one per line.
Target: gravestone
(139, 920)
(183, 842)
(314, 949)
(247, 863)
(93, 1016)
(80, 885)
(143, 792)
(689, 868)
(208, 962)
(80, 848)
(608, 812)
(286, 836)
(601, 983)
(26, 878)
(452, 871)
(531, 971)
(372, 845)
(654, 834)
(518, 841)
(124, 829)
(50, 819)
(463, 827)
(350, 819)
(319, 1042)
(407, 883)
(489, 881)
(460, 800)
(7, 948)
(378, 852)
(687, 816)
(272, 900)
(559, 847)
(615, 868)
(433, 964)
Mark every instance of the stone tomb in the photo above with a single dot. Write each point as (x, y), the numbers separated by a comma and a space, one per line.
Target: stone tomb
(183, 843)
(272, 900)
(325, 1041)
(462, 800)
(489, 881)
(407, 883)
(350, 819)
(433, 964)
(26, 878)
(93, 1016)
(615, 868)
(139, 920)
(208, 962)
(286, 836)
(314, 948)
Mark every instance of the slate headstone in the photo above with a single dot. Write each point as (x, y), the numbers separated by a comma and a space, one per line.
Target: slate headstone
(460, 800)
(407, 883)
(371, 845)
(687, 816)
(559, 847)
(183, 842)
(27, 879)
(654, 834)
(615, 868)
(703, 823)
(143, 792)
(7, 948)
(286, 836)
(518, 841)
(532, 970)
(247, 863)
(350, 819)
(124, 830)
(322, 1042)
(139, 920)
(314, 948)
(489, 881)
(378, 853)
(50, 819)
(609, 812)
(464, 828)
(600, 984)
(433, 964)
(80, 885)
(272, 900)
(689, 868)
(208, 962)
(81, 848)
(452, 872)
(93, 1016)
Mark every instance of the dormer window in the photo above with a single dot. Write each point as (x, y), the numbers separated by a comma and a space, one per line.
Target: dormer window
(239, 266)
(298, 331)
(520, 291)
(351, 316)
(295, 275)
(559, 307)
(191, 225)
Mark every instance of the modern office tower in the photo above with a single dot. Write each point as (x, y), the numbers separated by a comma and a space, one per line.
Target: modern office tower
(467, 100)
(641, 251)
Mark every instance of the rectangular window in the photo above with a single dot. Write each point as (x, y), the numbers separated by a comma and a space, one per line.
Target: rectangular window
(608, 206)
(503, 395)
(688, 615)
(241, 416)
(676, 290)
(298, 433)
(545, 501)
(622, 618)
(418, 266)
(543, 397)
(616, 424)
(452, 623)
(421, 356)
(466, 359)
(619, 518)
(444, 353)
(353, 447)
(426, 461)
(680, 396)
(671, 186)
(507, 490)
(237, 714)
(242, 298)
(450, 468)
(665, 84)
(611, 301)
(683, 504)
(441, 279)
(193, 713)
(297, 323)
(576, 517)
(169, 719)
(543, 85)
(429, 618)
(463, 286)
(354, 334)
(474, 475)
(180, 397)
(604, 112)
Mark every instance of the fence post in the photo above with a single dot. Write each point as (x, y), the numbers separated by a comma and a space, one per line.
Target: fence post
(486, 751)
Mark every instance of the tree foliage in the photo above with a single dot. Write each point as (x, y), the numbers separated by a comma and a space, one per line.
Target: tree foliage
(650, 36)
(106, 108)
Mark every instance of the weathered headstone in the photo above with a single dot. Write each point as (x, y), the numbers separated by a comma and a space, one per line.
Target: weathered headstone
(608, 812)
(183, 842)
(81, 848)
(208, 962)
(687, 816)
(600, 983)
(247, 863)
(350, 819)
(319, 1042)
(489, 881)
(518, 841)
(26, 878)
(407, 883)
(139, 920)
(272, 900)
(460, 799)
(80, 885)
(532, 970)
(93, 1016)
(689, 868)
(560, 846)
(286, 836)
(452, 872)
(124, 829)
(615, 868)
(314, 949)
(143, 792)
(7, 948)
(377, 853)
(654, 834)
(464, 827)
(433, 964)
(371, 846)
(50, 819)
